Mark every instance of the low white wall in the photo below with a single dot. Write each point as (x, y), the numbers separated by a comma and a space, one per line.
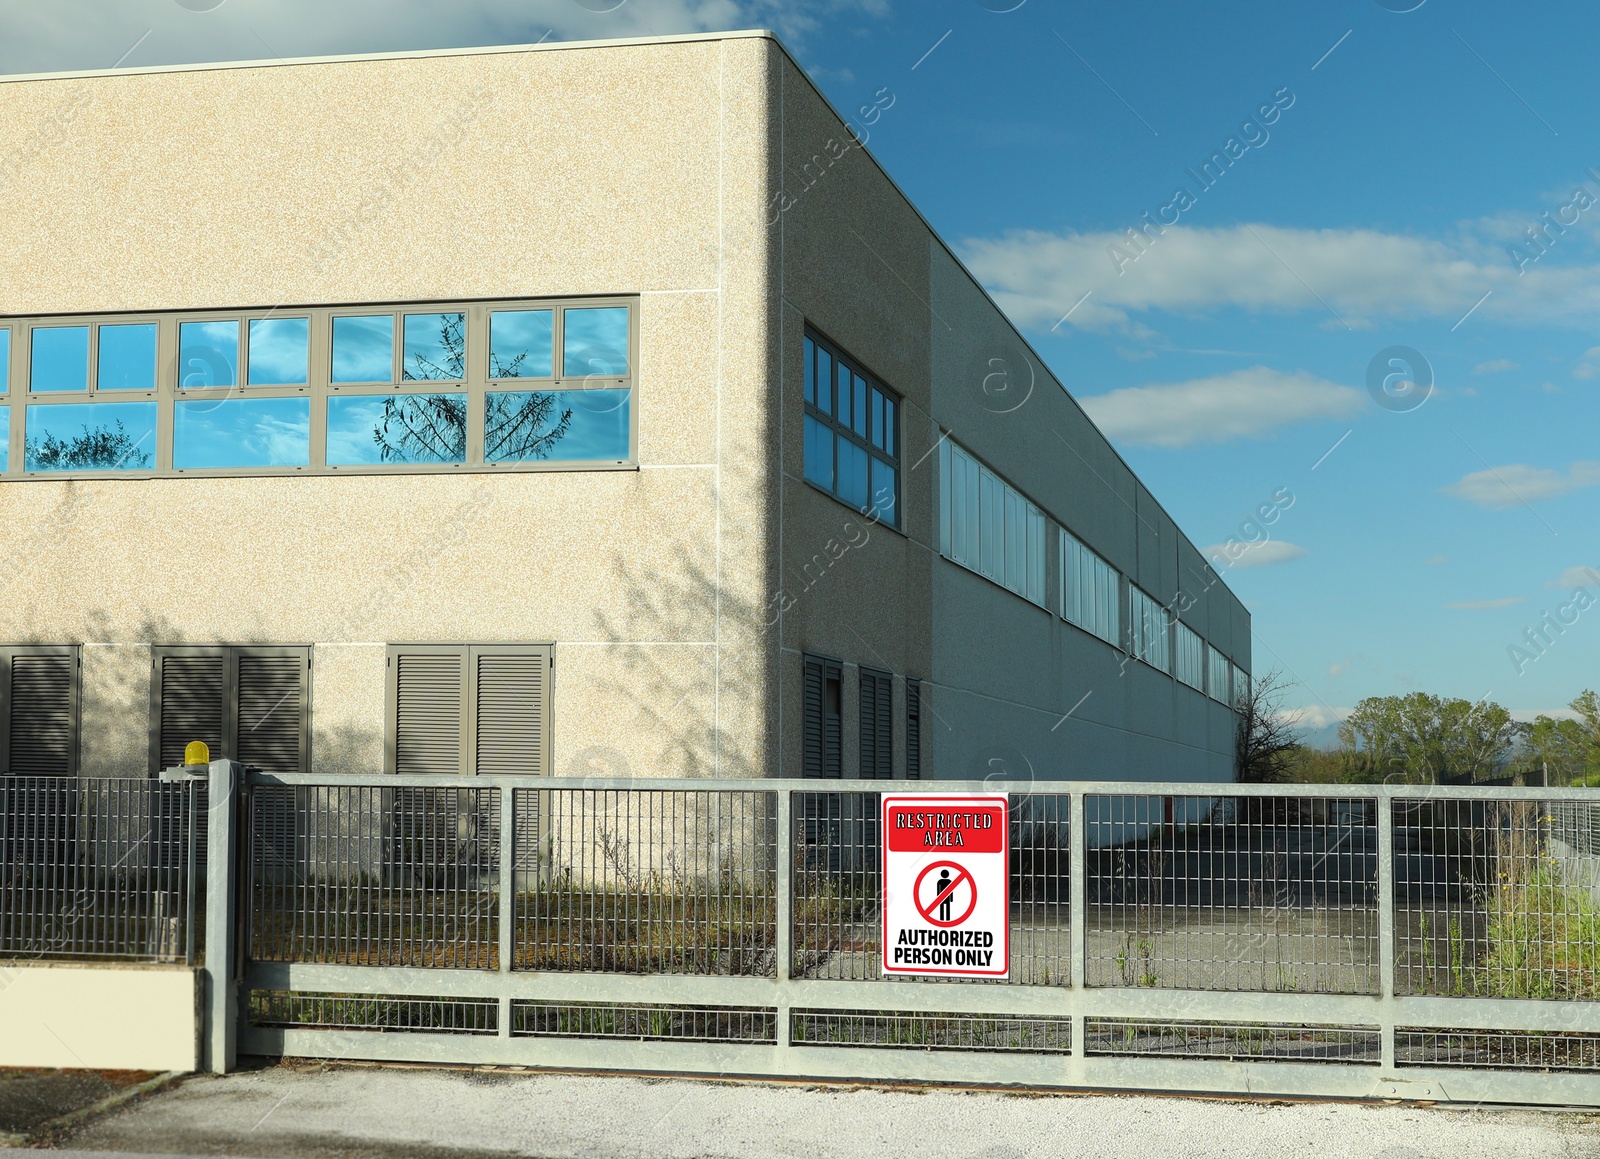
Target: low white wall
(106, 1017)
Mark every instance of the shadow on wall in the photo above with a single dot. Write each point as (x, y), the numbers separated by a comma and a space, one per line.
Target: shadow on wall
(700, 730)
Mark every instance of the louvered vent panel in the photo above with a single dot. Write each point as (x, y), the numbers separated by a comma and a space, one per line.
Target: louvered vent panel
(512, 713)
(41, 716)
(191, 705)
(427, 737)
(270, 707)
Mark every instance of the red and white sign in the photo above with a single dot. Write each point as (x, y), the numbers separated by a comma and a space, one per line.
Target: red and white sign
(946, 880)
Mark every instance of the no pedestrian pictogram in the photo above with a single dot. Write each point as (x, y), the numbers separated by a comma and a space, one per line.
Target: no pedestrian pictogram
(941, 894)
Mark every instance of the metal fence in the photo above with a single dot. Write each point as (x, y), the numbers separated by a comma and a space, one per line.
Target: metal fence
(101, 869)
(1389, 941)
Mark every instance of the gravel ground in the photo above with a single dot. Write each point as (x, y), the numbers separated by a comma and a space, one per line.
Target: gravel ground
(400, 1113)
(31, 1097)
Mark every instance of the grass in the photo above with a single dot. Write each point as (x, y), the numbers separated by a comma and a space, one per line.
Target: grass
(1544, 941)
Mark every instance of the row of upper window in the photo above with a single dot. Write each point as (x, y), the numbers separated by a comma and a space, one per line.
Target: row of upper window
(988, 526)
(274, 351)
(360, 430)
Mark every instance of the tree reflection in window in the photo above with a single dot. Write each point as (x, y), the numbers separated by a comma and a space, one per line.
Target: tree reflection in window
(432, 428)
(101, 448)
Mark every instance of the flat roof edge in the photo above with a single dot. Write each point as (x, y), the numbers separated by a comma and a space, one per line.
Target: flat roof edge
(408, 54)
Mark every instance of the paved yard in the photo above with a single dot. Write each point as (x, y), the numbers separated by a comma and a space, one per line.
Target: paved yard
(402, 1113)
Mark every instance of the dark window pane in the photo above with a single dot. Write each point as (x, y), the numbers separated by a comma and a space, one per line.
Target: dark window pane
(810, 360)
(242, 432)
(877, 418)
(363, 349)
(561, 425)
(278, 351)
(819, 453)
(5, 359)
(397, 428)
(208, 354)
(843, 396)
(60, 359)
(127, 357)
(824, 381)
(436, 348)
(884, 493)
(119, 436)
(891, 426)
(520, 343)
(852, 485)
(594, 342)
(860, 399)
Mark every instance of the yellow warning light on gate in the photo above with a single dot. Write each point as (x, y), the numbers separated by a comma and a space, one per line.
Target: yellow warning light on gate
(196, 752)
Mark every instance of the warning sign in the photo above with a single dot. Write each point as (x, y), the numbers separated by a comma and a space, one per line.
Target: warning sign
(946, 907)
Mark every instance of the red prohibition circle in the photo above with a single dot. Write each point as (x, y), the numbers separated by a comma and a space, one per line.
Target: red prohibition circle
(960, 872)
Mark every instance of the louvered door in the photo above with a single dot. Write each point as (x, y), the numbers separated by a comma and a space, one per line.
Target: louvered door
(821, 723)
(429, 690)
(877, 725)
(41, 711)
(512, 693)
(190, 693)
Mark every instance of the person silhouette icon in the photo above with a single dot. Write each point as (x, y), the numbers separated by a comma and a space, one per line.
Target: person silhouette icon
(944, 884)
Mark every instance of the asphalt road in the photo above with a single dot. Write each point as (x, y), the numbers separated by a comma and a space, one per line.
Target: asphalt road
(401, 1113)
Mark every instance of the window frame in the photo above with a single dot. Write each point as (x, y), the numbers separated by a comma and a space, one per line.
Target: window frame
(319, 388)
(1139, 647)
(74, 654)
(811, 343)
(1066, 579)
(467, 759)
(993, 541)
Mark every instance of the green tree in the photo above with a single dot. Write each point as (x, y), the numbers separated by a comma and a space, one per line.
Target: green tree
(1568, 751)
(1424, 739)
(96, 449)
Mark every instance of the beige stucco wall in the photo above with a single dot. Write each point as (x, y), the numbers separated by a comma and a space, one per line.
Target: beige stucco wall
(624, 169)
(113, 1017)
(859, 264)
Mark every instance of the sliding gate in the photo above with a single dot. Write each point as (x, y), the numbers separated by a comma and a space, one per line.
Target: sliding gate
(1392, 942)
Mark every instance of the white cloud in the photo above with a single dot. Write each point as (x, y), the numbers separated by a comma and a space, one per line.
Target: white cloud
(1362, 275)
(1501, 487)
(1315, 716)
(1437, 559)
(93, 34)
(1241, 404)
(1588, 365)
(1485, 605)
(1576, 577)
(1265, 553)
(1495, 365)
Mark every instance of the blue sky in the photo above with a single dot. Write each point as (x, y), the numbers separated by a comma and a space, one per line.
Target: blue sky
(1229, 361)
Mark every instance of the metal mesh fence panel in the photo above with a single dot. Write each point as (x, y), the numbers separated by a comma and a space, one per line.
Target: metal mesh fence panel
(289, 1009)
(838, 862)
(100, 868)
(646, 881)
(908, 1031)
(1241, 1041)
(1496, 1049)
(369, 876)
(644, 1021)
(1488, 904)
(1232, 893)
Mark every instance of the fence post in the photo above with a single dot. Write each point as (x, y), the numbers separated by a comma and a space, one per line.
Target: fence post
(783, 913)
(508, 893)
(220, 1038)
(1383, 882)
(1078, 917)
